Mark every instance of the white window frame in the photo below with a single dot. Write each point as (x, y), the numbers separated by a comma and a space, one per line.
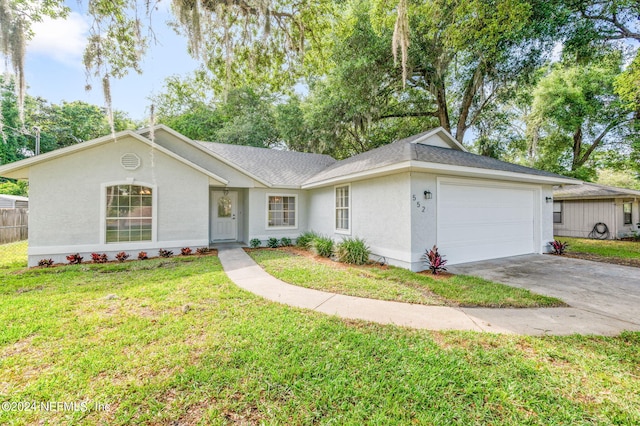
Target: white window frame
(345, 231)
(561, 204)
(630, 203)
(103, 213)
(297, 208)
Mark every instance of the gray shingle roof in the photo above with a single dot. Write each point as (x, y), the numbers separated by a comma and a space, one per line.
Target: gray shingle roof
(278, 168)
(404, 150)
(592, 190)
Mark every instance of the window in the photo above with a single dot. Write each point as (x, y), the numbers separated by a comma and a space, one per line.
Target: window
(342, 208)
(224, 206)
(557, 212)
(281, 210)
(626, 213)
(129, 213)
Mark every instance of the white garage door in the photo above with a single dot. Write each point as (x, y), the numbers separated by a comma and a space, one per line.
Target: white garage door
(484, 222)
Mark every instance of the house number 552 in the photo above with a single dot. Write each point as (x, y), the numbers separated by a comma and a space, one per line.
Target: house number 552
(419, 206)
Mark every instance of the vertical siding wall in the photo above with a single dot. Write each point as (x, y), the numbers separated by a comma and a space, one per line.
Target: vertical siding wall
(579, 217)
(13, 225)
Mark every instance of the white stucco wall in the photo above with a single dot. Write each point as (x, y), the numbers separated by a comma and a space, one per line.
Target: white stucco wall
(67, 195)
(380, 214)
(423, 217)
(257, 220)
(424, 214)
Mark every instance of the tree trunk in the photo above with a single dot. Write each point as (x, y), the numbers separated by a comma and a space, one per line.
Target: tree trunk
(443, 112)
(577, 147)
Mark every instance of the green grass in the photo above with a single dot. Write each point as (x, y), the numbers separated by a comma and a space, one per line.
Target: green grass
(396, 283)
(13, 255)
(236, 358)
(607, 248)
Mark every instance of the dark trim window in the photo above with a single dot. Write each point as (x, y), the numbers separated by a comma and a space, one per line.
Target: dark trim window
(557, 211)
(129, 213)
(626, 213)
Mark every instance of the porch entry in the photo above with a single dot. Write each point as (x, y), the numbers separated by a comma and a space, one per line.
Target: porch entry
(224, 214)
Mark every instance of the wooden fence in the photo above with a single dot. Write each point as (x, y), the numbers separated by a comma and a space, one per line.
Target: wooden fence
(13, 225)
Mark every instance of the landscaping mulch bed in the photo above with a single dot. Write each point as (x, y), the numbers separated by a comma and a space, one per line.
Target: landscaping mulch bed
(635, 262)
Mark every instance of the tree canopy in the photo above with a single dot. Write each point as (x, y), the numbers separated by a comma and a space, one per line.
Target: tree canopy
(527, 79)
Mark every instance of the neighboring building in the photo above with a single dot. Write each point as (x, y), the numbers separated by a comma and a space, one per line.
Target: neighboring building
(13, 202)
(132, 193)
(577, 209)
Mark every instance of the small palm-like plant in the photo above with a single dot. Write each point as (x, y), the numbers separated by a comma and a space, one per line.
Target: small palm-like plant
(142, 255)
(322, 246)
(165, 253)
(285, 242)
(122, 256)
(186, 251)
(273, 242)
(304, 240)
(435, 260)
(74, 259)
(255, 243)
(45, 262)
(559, 247)
(353, 250)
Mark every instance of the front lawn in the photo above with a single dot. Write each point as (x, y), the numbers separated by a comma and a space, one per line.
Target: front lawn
(395, 283)
(605, 248)
(13, 255)
(173, 341)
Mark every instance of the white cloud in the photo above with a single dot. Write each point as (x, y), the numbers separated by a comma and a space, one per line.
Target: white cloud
(60, 39)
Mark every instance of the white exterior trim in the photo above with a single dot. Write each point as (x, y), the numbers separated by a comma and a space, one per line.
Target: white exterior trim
(18, 166)
(446, 135)
(273, 194)
(131, 246)
(335, 207)
(103, 212)
(423, 166)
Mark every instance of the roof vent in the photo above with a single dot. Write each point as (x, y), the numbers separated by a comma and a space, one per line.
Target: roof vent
(130, 161)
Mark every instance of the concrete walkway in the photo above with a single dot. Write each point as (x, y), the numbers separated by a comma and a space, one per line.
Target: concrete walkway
(243, 271)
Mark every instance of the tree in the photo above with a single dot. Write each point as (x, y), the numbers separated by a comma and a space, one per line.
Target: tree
(19, 187)
(464, 53)
(361, 103)
(578, 112)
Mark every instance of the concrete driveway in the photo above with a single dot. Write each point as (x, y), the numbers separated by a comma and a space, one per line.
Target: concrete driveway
(603, 298)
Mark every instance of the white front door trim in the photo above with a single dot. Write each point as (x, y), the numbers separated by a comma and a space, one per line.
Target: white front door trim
(224, 220)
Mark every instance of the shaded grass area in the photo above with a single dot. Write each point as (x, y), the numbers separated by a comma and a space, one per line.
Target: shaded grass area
(13, 255)
(396, 284)
(606, 248)
(234, 358)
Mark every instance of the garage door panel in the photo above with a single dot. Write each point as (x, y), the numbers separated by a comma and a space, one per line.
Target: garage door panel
(484, 222)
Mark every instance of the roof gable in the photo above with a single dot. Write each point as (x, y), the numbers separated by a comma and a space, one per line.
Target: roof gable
(20, 169)
(437, 137)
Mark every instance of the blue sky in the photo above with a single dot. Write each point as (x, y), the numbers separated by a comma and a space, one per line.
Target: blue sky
(55, 72)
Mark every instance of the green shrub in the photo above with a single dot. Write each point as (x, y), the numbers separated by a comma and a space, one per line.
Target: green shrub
(322, 246)
(285, 242)
(305, 239)
(255, 243)
(272, 243)
(353, 250)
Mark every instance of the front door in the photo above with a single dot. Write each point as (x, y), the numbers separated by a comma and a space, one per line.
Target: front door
(224, 209)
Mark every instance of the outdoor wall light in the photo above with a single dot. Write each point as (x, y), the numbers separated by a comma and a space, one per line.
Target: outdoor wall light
(427, 195)
(549, 199)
